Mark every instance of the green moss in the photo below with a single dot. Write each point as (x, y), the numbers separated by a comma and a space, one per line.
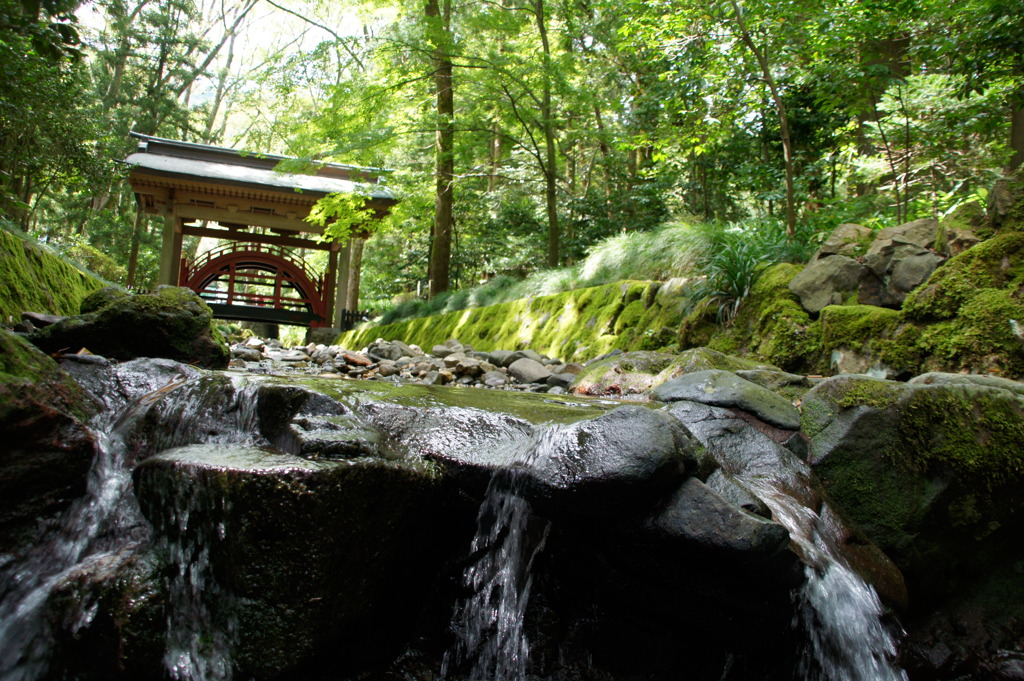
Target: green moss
(572, 325)
(33, 279)
(995, 263)
(976, 431)
(771, 325)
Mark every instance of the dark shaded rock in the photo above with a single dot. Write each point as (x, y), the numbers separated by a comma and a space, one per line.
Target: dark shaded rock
(39, 320)
(47, 447)
(526, 370)
(736, 494)
(726, 389)
(111, 608)
(931, 472)
(323, 566)
(697, 516)
(561, 380)
(341, 436)
(618, 462)
(173, 323)
(785, 484)
(277, 405)
(830, 281)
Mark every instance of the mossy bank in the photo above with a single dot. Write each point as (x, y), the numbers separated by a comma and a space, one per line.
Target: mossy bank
(33, 279)
(581, 324)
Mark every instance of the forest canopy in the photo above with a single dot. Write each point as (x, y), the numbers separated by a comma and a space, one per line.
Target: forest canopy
(521, 133)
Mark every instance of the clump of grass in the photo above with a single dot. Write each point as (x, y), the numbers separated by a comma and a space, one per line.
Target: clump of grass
(726, 258)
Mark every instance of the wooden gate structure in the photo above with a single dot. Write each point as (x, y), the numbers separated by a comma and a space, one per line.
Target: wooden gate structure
(259, 212)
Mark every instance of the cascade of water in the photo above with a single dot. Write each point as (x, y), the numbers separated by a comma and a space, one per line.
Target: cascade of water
(198, 641)
(104, 520)
(840, 612)
(489, 624)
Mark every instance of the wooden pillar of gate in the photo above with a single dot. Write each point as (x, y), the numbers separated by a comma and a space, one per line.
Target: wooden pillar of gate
(170, 251)
(341, 284)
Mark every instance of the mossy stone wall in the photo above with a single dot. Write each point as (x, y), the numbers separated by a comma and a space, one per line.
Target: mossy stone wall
(574, 325)
(32, 279)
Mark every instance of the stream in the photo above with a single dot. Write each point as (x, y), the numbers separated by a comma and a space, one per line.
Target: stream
(842, 617)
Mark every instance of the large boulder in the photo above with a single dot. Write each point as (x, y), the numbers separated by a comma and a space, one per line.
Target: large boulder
(626, 373)
(316, 565)
(173, 323)
(847, 239)
(726, 389)
(615, 464)
(930, 470)
(47, 447)
(830, 281)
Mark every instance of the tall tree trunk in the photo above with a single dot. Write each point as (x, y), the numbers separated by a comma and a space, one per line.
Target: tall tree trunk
(354, 273)
(133, 254)
(1017, 129)
(444, 148)
(550, 152)
(780, 108)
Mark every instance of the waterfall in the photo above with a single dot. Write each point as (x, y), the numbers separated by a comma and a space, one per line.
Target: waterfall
(107, 518)
(840, 612)
(489, 623)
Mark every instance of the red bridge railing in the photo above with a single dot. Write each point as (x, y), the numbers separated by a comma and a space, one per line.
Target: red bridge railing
(238, 276)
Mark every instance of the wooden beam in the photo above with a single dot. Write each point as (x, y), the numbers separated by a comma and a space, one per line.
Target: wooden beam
(219, 215)
(234, 235)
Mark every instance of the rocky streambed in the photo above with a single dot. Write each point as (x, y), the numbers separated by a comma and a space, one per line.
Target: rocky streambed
(739, 523)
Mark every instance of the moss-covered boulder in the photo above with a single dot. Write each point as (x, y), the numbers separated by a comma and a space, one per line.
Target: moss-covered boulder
(629, 373)
(47, 448)
(173, 323)
(101, 298)
(931, 472)
(32, 279)
(315, 565)
(771, 327)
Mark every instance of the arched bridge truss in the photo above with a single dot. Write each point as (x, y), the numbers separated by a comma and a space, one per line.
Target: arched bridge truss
(252, 281)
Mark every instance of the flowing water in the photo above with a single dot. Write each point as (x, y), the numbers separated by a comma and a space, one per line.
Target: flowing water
(840, 613)
(107, 519)
(489, 623)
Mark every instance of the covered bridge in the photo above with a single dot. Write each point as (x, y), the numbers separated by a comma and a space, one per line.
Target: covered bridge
(259, 213)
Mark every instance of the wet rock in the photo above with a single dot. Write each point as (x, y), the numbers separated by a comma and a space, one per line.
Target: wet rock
(327, 564)
(612, 464)
(112, 607)
(697, 516)
(736, 494)
(47, 446)
(173, 323)
(776, 476)
(726, 389)
(930, 471)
